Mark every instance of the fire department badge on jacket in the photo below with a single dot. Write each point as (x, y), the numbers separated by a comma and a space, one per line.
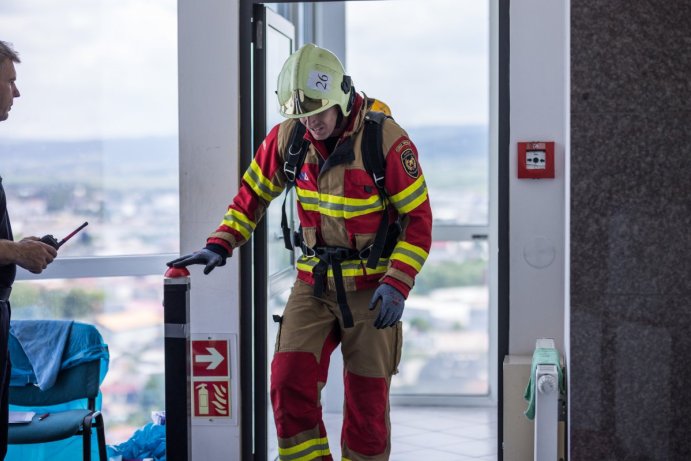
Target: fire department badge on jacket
(409, 163)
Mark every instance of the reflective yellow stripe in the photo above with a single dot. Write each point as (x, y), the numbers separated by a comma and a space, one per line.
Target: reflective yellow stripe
(302, 446)
(305, 451)
(238, 221)
(411, 197)
(309, 199)
(412, 255)
(348, 268)
(308, 457)
(260, 184)
(337, 206)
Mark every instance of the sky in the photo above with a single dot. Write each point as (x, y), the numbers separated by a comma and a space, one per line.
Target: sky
(98, 68)
(432, 62)
(107, 68)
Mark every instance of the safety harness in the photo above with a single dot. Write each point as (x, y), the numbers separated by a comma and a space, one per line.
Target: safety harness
(384, 240)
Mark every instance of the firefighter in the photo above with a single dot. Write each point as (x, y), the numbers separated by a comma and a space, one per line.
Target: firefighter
(337, 298)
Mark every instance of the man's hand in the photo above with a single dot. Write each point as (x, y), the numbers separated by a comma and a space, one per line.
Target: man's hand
(204, 256)
(34, 255)
(392, 303)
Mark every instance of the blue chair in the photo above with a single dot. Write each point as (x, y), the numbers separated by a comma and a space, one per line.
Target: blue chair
(81, 381)
(84, 361)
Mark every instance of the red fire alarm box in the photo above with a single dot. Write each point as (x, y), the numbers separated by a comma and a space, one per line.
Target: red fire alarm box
(536, 159)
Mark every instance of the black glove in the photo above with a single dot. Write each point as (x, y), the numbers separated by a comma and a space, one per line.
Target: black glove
(392, 303)
(204, 256)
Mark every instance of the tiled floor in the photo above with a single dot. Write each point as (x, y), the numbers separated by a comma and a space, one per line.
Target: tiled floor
(434, 433)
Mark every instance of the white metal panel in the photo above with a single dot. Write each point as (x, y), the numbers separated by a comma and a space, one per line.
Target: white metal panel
(208, 76)
(538, 101)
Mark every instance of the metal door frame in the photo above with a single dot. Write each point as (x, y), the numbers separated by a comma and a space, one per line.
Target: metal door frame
(252, 348)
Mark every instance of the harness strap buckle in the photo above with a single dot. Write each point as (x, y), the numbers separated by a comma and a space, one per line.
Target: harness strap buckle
(290, 171)
(378, 180)
(333, 257)
(308, 251)
(365, 252)
(335, 254)
(292, 152)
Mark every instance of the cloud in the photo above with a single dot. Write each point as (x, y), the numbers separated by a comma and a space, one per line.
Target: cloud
(108, 68)
(97, 68)
(428, 60)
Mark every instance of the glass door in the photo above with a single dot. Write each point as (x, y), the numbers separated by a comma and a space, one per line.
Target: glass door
(443, 63)
(434, 74)
(274, 42)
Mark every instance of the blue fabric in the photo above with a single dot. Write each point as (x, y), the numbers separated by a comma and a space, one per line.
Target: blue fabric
(82, 343)
(43, 342)
(147, 442)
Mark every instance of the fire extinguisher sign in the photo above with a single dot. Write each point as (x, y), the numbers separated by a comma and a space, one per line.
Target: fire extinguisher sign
(213, 364)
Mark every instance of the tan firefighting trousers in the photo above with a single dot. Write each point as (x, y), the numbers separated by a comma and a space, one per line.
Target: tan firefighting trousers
(310, 329)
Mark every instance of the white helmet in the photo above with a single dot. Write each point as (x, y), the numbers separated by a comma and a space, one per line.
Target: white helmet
(311, 81)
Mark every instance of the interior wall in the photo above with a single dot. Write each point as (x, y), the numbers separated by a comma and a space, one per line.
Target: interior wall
(630, 221)
(538, 102)
(208, 44)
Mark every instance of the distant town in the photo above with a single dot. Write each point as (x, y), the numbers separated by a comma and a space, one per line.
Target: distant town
(128, 191)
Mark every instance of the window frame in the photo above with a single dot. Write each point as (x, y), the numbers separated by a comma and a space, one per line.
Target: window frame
(101, 266)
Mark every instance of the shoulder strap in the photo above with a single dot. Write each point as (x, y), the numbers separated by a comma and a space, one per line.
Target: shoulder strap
(296, 153)
(375, 164)
(294, 158)
(372, 154)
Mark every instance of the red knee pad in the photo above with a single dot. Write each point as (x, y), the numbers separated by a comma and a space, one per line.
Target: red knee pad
(294, 393)
(364, 425)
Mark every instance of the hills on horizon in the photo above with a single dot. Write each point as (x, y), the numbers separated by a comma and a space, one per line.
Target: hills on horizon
(143, 157)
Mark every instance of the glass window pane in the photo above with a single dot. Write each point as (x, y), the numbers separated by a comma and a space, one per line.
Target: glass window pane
(434, 75)
(278, 48)
(93, 136)
(128, 313)
(446, 333)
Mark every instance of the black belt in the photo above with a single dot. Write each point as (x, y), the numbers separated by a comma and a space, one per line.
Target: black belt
(5, 293)
(333, 257)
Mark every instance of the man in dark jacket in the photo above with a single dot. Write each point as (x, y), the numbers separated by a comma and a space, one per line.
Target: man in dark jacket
(29, 253)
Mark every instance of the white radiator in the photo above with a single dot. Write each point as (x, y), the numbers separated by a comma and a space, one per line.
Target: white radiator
(546, 412)
(546, 382)
(525, 439)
